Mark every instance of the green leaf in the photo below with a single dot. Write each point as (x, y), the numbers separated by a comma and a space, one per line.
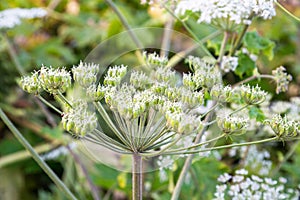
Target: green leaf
(246, 66)
(257, 44)
(256, 113)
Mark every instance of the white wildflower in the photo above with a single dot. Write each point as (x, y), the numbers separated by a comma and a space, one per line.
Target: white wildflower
(229, 64)
(10, 18)
(236, 11)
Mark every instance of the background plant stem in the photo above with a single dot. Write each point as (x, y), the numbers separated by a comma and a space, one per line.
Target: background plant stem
(36, 157)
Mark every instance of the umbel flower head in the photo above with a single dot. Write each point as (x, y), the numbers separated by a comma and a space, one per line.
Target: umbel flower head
(231, 124)
(144, 114)
(283, 127)
(252, 95)
(47, 78)
(205, 75)
(85, 74)
(227, 13)
(31, 84)
(78, 120)
(54, 80)
(282, 79)
(10, 18)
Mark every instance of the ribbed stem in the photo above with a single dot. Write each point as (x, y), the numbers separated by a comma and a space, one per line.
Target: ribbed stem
(137, 177)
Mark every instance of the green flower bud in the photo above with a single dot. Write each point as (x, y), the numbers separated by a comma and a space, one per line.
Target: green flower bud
(221, 94)
(252, 95)
(85, 74)
(282, 79)
(283, 127)
(31, 84)
(230, 124)
(154, 61)
(54, 80)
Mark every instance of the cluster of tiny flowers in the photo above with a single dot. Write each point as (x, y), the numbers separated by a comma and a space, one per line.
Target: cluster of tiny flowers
(243, 186)
(10, 18)
(183, 123)
(31, 84)
(140, 80)
(205, 75)
(85, 74)
(282, 79)
(283, 127)
(153, 60)
(231, 124)
(229, 64)
(236, 11)
(253, 158)
(79, 120)
(221, 93)
(54, 80)
(114, 75)
(51, 80)
(252, 95)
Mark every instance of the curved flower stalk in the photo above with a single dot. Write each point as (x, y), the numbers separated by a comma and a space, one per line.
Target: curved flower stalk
(153, 113)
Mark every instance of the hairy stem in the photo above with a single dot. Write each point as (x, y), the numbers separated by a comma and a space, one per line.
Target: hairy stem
(37, 158)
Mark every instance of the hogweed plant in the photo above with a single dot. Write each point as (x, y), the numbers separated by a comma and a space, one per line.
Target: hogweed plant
(160, 113)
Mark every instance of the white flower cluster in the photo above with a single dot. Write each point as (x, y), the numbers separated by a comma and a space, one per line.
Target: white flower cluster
(282, 79)
(10, 18)
(253, 158)
(232, 124)
(236, 11)
(229, 64)
(205, 75)
(85, 74)
(243, 186)
(51, 80)
(79, 119)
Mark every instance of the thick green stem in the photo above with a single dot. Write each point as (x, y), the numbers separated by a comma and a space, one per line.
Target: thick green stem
(137, 178)
(36, 157)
